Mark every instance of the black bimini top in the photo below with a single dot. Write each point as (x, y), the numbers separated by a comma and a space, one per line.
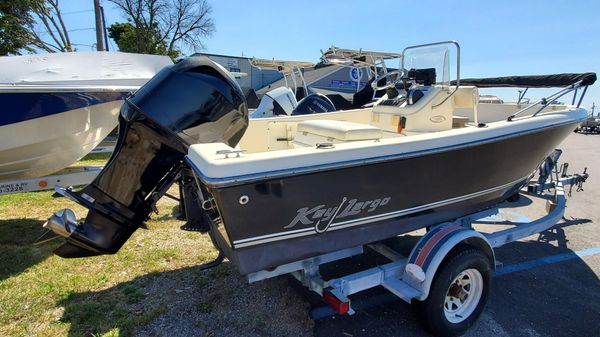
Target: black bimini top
(532, 81)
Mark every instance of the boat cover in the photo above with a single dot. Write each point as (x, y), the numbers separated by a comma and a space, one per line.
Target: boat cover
(530, 81)
(80, 68)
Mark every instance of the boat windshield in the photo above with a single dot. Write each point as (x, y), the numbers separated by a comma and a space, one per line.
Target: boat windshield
(437, 57)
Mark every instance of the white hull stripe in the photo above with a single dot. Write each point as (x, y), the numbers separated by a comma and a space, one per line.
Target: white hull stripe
(365, 220)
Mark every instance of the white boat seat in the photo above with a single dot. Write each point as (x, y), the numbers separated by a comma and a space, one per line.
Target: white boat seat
(340, 130)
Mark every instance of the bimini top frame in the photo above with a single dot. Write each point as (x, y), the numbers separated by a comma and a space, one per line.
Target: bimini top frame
(286, 68)
(355, 57)
(280, 65)
(358, 58)
(569, 83)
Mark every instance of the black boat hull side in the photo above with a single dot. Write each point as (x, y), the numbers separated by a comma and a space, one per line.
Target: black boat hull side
(291, 218)
(265, 256)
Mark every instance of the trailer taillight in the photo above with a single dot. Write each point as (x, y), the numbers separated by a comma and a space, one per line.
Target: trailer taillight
(337, 301)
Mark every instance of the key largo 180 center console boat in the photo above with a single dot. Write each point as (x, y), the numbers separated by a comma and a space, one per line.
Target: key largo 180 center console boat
(272, 191)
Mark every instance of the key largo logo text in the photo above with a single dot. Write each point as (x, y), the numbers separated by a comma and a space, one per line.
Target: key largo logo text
(323, 216)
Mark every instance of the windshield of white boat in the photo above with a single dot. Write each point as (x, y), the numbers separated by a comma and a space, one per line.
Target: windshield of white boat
(437, 57)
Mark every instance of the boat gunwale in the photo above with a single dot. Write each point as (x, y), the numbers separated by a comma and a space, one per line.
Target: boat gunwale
(254, 177)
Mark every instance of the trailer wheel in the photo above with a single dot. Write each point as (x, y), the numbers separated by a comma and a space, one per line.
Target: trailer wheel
(458, 293)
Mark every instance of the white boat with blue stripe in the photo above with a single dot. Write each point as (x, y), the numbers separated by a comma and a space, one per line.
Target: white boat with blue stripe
(56, 108)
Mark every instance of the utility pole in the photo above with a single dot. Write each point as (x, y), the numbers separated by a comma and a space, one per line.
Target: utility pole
(104, 29)
(99, 29)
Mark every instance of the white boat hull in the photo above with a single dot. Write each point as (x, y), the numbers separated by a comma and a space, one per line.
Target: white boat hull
(45, 145)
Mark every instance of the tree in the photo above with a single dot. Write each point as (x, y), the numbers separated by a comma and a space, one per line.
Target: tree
(30, 25)
(132, 40)
(15, 20)
(50, 19)
(162, 26)
(124, 35)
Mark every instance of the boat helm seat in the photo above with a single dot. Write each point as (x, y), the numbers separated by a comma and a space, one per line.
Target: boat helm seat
(313, 132)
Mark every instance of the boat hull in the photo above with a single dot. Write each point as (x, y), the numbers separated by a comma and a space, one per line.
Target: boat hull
(266, 223)
(44, 145)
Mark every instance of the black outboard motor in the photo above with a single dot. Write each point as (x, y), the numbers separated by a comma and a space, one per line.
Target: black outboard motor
(313, 104)
(193, 101)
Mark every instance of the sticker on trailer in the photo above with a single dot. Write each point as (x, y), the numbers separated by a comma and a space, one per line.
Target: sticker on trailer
(13, 187)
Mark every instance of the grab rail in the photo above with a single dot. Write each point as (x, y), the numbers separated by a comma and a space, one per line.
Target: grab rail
(292, 73)
(551, 99)
(457, 63)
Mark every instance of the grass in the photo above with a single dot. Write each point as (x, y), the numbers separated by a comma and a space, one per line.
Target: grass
(93, 159)
(44, 295)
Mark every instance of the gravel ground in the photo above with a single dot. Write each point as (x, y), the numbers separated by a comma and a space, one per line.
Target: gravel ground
(229, 307)
(219, 302)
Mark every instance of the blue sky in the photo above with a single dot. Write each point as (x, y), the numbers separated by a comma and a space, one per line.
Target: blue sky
(497, 37)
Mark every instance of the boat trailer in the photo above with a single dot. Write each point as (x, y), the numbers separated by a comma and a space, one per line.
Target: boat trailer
(71, 176)
(453, 248)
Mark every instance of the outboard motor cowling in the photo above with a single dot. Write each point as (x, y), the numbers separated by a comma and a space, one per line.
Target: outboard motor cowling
(313, 104)
(277, 102)
(193, 101)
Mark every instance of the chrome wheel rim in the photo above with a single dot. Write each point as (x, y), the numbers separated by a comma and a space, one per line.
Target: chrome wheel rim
(463, 295)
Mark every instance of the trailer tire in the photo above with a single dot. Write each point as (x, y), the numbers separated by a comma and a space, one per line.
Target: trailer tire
(458, 293)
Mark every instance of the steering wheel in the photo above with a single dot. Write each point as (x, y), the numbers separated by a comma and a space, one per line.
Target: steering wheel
(391, 79)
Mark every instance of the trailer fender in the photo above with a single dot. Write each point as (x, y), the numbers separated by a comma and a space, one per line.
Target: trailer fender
(430, 251)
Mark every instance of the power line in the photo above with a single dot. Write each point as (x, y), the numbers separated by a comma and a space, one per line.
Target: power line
(77, 12)
(45, 33)
(80, 29)
(114, 48)
(85, 45)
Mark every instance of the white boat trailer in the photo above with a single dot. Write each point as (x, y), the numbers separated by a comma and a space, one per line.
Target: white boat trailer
(71, 176)
(448, 272)
(106, 146)
(68, 177)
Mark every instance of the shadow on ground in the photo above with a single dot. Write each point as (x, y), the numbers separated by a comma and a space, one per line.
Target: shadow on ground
(127, 306)
(18, 250)
(557, 233)
(189, 302)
